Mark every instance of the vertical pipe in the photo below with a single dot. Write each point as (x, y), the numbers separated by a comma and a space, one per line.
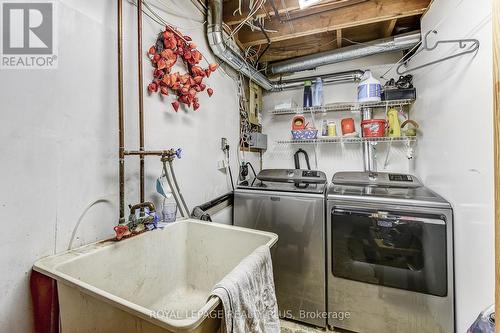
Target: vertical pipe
(496, 138)
(141, 96)
(368, 150)
(121, 127)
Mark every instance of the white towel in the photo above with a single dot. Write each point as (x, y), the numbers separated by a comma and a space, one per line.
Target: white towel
(248, 296)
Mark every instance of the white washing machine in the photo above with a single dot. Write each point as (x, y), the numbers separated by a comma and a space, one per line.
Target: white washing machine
(389, 255)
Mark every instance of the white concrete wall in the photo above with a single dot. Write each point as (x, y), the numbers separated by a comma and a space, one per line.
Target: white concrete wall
(455, 153)
(59, 142)
(331, 157)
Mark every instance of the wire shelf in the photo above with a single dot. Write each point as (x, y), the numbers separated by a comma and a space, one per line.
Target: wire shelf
(350, 106)
(404, 139)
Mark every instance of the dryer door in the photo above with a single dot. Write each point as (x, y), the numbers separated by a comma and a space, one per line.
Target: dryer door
(403, 250)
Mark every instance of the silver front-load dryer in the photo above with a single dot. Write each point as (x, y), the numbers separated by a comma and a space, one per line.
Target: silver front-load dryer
(291, 203)
(389, 255)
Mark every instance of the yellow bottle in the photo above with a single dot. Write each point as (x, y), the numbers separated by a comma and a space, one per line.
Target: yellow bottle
(394, 125)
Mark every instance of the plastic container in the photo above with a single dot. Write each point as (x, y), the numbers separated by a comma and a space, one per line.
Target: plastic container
(318, 92)
(286, 104)
(307, 134)
(169, 212)
(332, 129)
(369, 89)
(373, 128)
(347, 125)
(299, 123)
(485, 322)
(324, 127)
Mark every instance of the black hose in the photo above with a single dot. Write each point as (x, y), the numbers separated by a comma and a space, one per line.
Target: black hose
(253, 170)
(296, 158)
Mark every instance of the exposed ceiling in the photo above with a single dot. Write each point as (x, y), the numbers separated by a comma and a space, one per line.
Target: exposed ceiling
(325, 26)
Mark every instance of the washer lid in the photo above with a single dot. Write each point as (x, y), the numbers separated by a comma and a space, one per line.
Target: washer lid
(383, 188)
(285, 187)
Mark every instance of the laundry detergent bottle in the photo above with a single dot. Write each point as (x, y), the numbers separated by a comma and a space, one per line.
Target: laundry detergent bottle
(318, 92)
(369, 89)
(394, 130)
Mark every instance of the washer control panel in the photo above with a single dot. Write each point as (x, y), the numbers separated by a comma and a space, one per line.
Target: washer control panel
(292, 176)
(400, 178)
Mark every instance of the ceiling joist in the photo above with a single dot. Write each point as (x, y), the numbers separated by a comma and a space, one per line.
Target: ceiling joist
(233, 17)
(389, 27)
(364, 13)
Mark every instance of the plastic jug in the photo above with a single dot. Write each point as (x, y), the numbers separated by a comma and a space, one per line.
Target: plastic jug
(318, 92)
(369, 89)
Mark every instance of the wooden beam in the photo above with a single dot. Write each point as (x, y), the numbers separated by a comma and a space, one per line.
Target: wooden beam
(268, 10)
(365, 13)
(339, 37)
(299, 47)
(389, 27)
(315, 10)
(496, 138)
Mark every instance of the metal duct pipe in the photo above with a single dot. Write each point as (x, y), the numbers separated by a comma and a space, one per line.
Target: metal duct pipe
(232, 58)
(396, 43)
(223, 51)
(226, 53)
(350, 76)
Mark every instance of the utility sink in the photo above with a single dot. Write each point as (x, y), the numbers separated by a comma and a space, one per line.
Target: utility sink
(159, 281)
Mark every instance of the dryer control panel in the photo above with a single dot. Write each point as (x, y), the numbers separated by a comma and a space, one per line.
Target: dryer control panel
(380, 179)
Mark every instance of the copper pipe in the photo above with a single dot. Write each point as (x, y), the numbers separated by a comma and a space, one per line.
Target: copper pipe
(141, 97)
(146, 152)
(121, 126)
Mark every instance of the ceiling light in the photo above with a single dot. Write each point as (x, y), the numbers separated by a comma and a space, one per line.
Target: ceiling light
(307, 3)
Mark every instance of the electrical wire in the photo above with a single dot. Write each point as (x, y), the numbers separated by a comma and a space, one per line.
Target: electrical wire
(253, 10)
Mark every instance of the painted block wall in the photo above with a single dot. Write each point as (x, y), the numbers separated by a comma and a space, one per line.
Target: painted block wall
(455, 153)
(59, 142)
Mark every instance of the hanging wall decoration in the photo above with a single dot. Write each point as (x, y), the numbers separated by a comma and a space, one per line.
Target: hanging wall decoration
(169, 46)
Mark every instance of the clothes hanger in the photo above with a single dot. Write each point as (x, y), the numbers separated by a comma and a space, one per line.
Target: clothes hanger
(470, 45)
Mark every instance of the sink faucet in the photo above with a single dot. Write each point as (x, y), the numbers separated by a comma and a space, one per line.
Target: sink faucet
(146, 220)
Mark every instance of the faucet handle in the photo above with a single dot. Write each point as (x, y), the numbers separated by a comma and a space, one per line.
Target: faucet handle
(146, 204)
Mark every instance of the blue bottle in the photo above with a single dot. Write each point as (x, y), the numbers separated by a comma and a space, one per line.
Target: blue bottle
(307, 94)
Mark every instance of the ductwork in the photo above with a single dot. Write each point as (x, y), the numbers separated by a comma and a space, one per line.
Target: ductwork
(350, 76)
(217, 42)
(226, 53)
(391, 44)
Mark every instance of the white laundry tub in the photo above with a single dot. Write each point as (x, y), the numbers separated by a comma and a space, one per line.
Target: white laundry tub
(155, 282)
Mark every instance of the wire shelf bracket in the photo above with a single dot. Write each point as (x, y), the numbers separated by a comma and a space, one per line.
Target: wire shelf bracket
(344, 140)
(467, 45)
(347, 106)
